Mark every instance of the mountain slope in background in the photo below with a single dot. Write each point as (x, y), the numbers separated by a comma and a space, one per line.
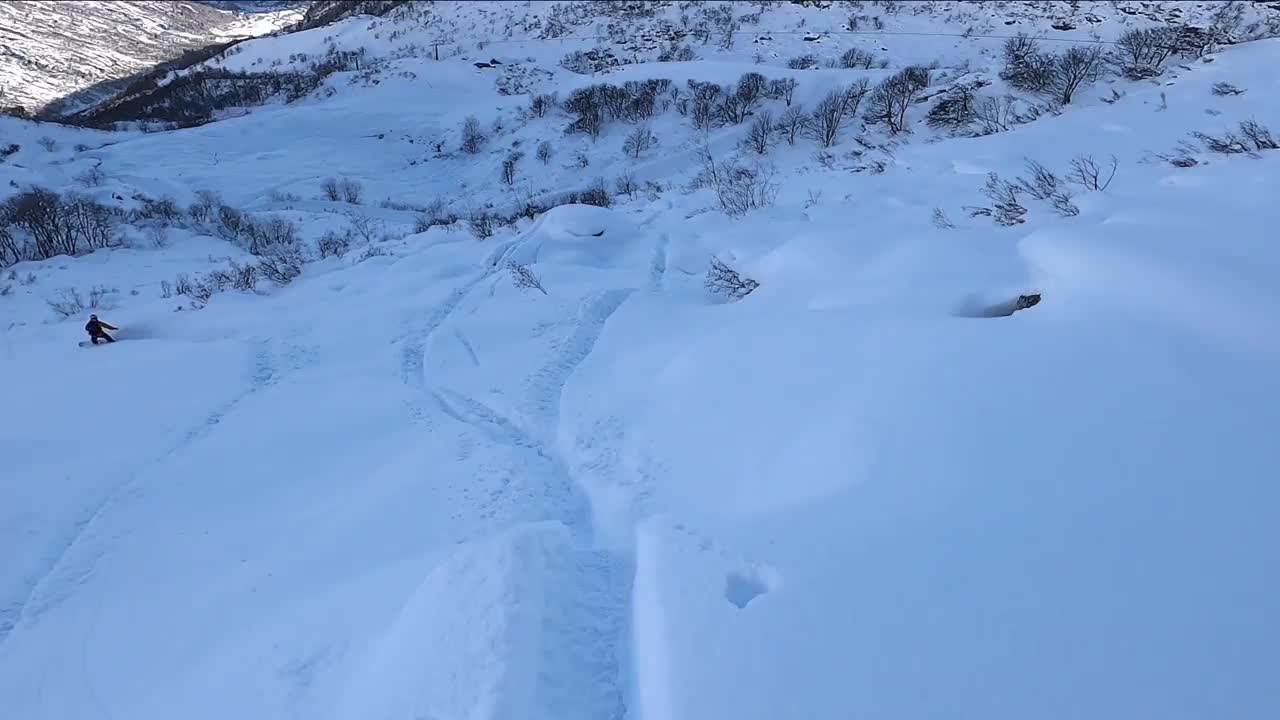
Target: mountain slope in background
(52, 50)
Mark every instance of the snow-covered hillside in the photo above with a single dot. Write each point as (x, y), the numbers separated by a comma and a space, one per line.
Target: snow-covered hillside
(711, 424)
(71, 54)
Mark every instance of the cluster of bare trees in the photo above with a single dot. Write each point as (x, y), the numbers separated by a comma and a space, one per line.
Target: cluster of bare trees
(38, 224)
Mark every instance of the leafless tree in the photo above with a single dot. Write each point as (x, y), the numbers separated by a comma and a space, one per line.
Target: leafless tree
(792, 122)
(760, 134)
(1086, 172)
(831, 113)
(783, 89)
(473, 138)
(896, 93)
(332, 191)
(544, 151)
(857, 58)
(1074, 69)
(639, 141)
(626, 184)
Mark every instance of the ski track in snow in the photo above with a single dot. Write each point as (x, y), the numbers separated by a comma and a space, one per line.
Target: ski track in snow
(581, 672)
(77, 555)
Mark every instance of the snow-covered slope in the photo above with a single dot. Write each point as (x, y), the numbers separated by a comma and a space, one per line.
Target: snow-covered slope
(53, 49)
(549, 474)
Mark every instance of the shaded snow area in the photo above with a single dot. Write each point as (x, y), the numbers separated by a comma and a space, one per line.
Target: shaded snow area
(407, 487)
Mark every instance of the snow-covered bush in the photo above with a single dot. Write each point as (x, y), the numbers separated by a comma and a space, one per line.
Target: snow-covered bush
(783, 89)
(545, 151)
(1226, 89)
(803, 62)
(48, 143)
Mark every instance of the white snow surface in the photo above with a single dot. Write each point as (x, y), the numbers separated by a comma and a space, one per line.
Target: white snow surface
(403, 487)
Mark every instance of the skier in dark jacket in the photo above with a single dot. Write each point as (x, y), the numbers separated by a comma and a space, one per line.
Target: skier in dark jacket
(95, 329)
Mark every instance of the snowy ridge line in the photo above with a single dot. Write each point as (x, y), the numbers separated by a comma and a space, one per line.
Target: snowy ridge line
(47, 591)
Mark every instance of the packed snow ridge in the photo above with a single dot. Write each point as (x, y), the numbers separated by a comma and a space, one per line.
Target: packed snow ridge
(653, 361)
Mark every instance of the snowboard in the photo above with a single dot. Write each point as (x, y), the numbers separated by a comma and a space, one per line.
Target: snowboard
(89, 344)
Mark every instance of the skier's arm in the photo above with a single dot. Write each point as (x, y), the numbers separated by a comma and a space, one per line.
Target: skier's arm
(109, 327)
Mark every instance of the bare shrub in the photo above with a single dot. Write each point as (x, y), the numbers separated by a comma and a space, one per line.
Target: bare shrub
(1043, 183)
(831, 113)
(473, 138)
(941, 221)
(1086, 172)
(896, 93)
(857, 58)
(783, 89)
(957, 109)
(166, 289)
(743, 188)
(625, 184)
(803, 62)
(231, 223)
(352, 191)
(482, 223)
(1074, 69)
(541, 104)
(1259, 135)
(282, 265)
(751, 87)
(1142, 52)
(792, 122)
(545, 151)
(724, 280)
(1026, 67)
(331, 189)
(158, 236)
(760, 134)
(1229, 144)
(67, 303)
(524, 277)
(1006, 209)
(206, 203)
(639, 141)
(1224, 89)
(164, 209)
(509, 167)
(182, 284)
(48, 143)
(597, 194)
(995, 114)
(334, 244)
(92, 177)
